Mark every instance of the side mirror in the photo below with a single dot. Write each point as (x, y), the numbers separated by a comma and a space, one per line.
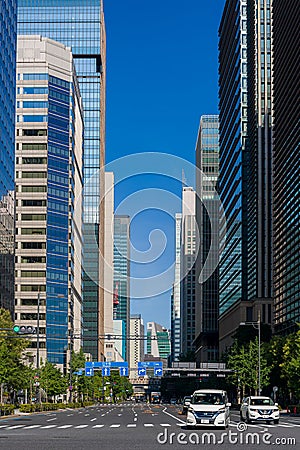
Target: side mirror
(228, 404)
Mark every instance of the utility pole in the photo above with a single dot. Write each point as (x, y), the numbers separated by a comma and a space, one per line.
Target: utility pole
(259, 365)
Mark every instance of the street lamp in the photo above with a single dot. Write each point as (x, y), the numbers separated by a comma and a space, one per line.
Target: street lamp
(256, 326)
(38, 347)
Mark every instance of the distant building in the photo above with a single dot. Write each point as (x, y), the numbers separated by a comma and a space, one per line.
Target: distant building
(158, 341)
(8, 27)
(187, 269)
(122, 275)
(137, 345)
(175, 299)
(49, 183)
(286, 156)
(207, 214)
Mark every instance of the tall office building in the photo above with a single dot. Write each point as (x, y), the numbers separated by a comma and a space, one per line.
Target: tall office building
(8, 33)
(286, 88)
(137, 345)
(49, 182)
(158, 341)
(122, 275)
(187, 269)
(79, 24)
(245, 165)
(207, 216)
(175, 299)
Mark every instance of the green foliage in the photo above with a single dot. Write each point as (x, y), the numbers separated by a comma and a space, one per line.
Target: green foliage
(14, 374)
(290, 366)
(244, 361)
(6, 410)
(52, 380)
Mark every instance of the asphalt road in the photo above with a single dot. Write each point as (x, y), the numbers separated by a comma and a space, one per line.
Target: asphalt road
(131, 426)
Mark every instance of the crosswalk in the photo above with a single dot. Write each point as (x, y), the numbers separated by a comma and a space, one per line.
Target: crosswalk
(23, 427)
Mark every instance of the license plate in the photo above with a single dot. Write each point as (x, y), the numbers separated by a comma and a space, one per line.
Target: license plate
(204, 421)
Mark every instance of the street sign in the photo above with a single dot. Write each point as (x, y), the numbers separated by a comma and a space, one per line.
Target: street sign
(124, 371)
(89, 372)
(141, 372)
(105, 371)
(158, 372)
(100, 364)
(150, 364)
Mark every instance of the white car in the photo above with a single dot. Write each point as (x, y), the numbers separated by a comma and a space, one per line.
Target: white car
(208, 407)
(259, 409)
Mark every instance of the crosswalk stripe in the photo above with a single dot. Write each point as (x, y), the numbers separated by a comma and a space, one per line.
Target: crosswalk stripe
(92, 420)
(165, 425)
(131, 425)
(48, 426)
(14, 426)
(3, 426)
(31, 426)
(98, 426)
(148, 425)
(65, 426)
(115, 425)
(81, 426)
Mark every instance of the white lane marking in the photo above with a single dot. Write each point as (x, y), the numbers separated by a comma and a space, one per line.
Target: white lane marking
(284, 425)
(115, 425)
(3, 426)
(65, 426)
(81, 426)
(31, 426)
(93, 420)
(130, 425)
(49, 420)
(171, 415)
(15, 426)
(165, 425)
(135, 419)
(98, 426)
(148, 425)
(69, 415)
(48, 426)
(119, 415)
(102, 415)
(86, 415)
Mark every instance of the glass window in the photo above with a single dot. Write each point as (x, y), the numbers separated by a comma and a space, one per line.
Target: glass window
(35, 76)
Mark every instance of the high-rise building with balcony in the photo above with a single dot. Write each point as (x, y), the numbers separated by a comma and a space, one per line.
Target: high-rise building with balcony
(122, 275)
(158, 341)
(286, 154)
(79, 24)
(207, 216)
(49, 183)
(8, 33)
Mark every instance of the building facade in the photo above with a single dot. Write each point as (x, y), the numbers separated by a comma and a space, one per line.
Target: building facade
(286, 226)
(122, 275)
(158, 341)
(49, 180)
(187, 269)
(245, 165)
(8, 32)
(175, 299)
(137, 343)
(79, 24)
(207, 216)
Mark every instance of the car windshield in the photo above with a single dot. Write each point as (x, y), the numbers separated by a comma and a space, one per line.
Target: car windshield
(261, 401)
(208, 399)
(187, 399)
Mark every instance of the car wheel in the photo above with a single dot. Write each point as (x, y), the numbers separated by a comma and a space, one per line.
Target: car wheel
(247, 417)
(276, 421)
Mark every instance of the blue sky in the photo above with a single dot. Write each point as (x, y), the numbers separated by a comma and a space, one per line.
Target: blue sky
(162, 75)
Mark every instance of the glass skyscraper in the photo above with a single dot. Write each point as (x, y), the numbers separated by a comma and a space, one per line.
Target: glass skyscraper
(207, 293)
(122, 275)
(245, 164)
(79, 24)
(286, 153)
(8, 34)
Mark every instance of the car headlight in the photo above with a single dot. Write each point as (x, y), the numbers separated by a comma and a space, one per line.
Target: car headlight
(275, 410)
(253, 410)
(220, 411)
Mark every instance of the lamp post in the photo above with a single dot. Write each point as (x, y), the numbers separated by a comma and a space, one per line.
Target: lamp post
(38, 347)
(256, 326)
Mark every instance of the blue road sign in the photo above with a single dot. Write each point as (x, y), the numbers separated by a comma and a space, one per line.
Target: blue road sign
(100, 364)
(124, 371)
(141, 371)
(105, 371)
(158, 372)
(89, 372)
(150, 364)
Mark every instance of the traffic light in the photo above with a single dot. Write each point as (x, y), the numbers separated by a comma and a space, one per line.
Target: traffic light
(24, 329)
